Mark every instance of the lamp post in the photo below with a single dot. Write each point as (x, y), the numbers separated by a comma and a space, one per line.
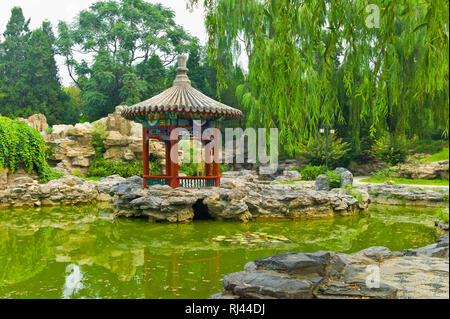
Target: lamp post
(327, 131)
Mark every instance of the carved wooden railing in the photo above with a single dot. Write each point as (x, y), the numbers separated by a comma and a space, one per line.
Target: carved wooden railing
(156, 180)
(183, 181)
(197, 181)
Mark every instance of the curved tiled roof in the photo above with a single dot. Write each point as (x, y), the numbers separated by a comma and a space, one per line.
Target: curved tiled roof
(181, 97)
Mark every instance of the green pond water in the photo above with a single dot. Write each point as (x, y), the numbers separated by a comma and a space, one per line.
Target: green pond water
(82, 252)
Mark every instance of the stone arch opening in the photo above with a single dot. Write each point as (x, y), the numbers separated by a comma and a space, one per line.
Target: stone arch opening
(201, 211)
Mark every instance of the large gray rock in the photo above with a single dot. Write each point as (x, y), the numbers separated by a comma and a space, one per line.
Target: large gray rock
(36, 121)
(321, 183)
(377, 253)
(440, 249)
(329, 275)
(303, 264)
(263, 285)
(357, 289)
(289, 175)
(236, 199)
(346, 177)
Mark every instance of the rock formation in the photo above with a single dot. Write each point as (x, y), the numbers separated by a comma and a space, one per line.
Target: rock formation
(425, 170)
(72, 144)
(322, 183)
(36, 121)
(411, 273)
(235, 199)
(406, 195)
(68, 190)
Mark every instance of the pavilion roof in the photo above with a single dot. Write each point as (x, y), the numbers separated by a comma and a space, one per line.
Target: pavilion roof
(181, 97)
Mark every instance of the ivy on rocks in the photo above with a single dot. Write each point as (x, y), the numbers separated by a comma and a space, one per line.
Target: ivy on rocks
(23, 146)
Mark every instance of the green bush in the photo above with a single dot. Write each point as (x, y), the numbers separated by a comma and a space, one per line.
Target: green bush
(443, 215)
(314, 152)
(334, 179)
(103, 168)
(99, 135)
(427, 146)
(310, 172)
(387, 172)
(357, 195)
(391, 149)
(190, 169)
(49, 130)
(23, 146)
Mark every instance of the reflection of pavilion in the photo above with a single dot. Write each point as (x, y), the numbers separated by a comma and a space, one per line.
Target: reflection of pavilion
(173, 264)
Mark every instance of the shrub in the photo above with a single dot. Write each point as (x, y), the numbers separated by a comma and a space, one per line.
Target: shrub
(357, 195)
(23, 146)
(310, 172)
(391, 149)
(387, 172)
(103, 168)
(49, 130)
(364, 154)
(99, 135)
(443, 215)
(314, 152)
(190, 169)
(334, 179)
(427, 146)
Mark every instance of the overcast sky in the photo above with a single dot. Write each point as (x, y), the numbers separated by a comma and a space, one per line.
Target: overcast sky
(66, 10)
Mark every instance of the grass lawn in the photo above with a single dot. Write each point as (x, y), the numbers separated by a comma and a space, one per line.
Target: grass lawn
(441, 156)
(288, 183)
(398, 180)
(91, 178)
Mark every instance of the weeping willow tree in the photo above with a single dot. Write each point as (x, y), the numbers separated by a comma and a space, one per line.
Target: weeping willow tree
(386, 60)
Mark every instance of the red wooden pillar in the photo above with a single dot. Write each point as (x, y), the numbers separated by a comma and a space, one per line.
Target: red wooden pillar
(145, 160)
(216, 163)
(174, 182)
(167, 143)
(207, 158)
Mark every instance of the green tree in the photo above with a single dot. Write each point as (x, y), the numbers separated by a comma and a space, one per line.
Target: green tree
(318, 62)
(29, 81)
(128, 39)
(12, 69)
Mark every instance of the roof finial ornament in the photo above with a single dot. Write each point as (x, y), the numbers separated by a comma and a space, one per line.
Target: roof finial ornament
(182, 78)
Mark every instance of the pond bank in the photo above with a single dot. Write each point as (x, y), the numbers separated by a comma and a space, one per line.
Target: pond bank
(411, 273)
(83, 252)
(413, 195)
(68, 190)
(241, 196)
(235, 199)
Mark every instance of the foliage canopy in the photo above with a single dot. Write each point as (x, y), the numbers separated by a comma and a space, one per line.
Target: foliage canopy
(29, 81)
(131, 42)
(317, 62)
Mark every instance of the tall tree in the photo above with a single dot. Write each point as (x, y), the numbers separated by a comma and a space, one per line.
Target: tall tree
(13, 52)
(29, 81)
(321, 62)
(128, 39)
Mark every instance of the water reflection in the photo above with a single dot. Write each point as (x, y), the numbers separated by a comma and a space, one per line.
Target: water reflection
(73, 280)
(176, 266)
(82, 252)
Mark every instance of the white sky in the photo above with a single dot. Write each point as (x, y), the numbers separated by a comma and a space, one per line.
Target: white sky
(66, 10)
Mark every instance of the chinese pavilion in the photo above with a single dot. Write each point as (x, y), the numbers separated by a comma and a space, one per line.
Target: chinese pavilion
(180, 107)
